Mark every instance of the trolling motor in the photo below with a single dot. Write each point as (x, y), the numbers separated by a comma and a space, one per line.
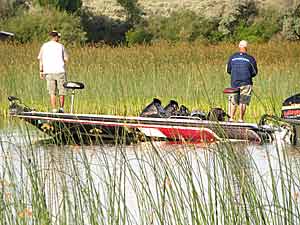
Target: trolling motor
(73, 86)
(16, 106)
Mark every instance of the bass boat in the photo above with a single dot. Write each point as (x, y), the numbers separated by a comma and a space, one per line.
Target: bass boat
(156, 122)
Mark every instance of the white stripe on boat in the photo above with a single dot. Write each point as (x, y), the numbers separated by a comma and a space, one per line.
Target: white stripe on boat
(152, 132)
(128, 118)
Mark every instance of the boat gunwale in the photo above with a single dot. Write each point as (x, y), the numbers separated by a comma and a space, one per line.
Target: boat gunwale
(121, 120)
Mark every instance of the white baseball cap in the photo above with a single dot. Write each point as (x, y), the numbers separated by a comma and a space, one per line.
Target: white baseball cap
(55, 33)
(243, 44)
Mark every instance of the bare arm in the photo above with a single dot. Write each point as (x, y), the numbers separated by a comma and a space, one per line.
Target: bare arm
(41, 64)
(65, 55)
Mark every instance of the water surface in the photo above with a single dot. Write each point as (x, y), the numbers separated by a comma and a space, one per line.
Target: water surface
(147, 183)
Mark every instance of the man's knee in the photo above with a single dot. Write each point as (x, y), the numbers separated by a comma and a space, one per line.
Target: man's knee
(52, 89)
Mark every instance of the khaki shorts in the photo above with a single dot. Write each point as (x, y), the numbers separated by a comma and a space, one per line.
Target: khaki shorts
(244, 96)
(55, 83)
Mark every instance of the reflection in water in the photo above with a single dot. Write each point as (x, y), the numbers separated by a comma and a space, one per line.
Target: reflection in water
(147, 183)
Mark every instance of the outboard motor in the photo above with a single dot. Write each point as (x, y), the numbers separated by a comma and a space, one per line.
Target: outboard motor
(199, 114)
(290, 113)
(171, 108)
(217, 114)
(291, 107)
(183, 111)
(154, 109)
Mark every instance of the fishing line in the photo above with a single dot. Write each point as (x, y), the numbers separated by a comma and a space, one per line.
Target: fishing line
(260, 101)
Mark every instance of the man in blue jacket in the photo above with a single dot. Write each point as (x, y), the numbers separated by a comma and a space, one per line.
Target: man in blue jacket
(242, 67)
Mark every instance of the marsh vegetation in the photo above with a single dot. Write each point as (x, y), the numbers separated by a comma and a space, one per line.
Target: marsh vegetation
(154, 182)
(123, 80)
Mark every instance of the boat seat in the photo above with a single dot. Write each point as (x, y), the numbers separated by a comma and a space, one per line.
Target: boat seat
(13, 98)
(73, 85)
(231, 91)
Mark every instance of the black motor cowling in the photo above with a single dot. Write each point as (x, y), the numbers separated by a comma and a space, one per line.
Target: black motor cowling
(154, 109)
(171, 108)
(217, 114)
(291, 107)
(183, 111)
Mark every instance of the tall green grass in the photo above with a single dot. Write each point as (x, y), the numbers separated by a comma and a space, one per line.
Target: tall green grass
(123, 80)
(148, 183)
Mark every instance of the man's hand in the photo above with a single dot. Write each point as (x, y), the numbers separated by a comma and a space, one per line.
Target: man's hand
(42, 76)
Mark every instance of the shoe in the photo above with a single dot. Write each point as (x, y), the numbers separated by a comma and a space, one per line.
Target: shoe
(61, 110)
(241, 121)
(54, 110)
(231, 120)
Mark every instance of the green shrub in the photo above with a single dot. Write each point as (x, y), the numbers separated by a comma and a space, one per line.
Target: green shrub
(183, 26)
(133, 10)
(68, 5)
(11, 8)
(240, 11)
(102, 28)
(180, 26)
(5, 9)
(291, 24)
(138, 36)
(35, 26)
(266, 25)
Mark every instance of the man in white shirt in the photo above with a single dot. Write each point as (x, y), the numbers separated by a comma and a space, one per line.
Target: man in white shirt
(52, 58)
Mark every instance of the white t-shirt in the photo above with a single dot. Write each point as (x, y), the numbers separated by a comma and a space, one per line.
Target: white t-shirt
(53, 56)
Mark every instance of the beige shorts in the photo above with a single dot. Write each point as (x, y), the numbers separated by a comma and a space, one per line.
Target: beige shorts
(55, 83)
(244, 96)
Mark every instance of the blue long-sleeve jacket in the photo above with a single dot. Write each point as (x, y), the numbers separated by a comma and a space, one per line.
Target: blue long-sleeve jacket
(242, 68)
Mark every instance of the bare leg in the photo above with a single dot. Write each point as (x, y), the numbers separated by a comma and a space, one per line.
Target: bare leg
(53, 101)
(62, 101)
(242, 111)
(232, 111)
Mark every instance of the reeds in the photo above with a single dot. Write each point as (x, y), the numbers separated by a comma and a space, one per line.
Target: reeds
(147, 183)
(123, 80)
(156, 182)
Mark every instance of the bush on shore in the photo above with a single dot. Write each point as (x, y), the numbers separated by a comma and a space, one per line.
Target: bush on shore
(35, 26)
(291, 24)
(63, 5)
(189, 26)
(101, 28)
(263, 28)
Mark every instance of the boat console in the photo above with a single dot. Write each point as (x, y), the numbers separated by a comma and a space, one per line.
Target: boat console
(231, 92)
